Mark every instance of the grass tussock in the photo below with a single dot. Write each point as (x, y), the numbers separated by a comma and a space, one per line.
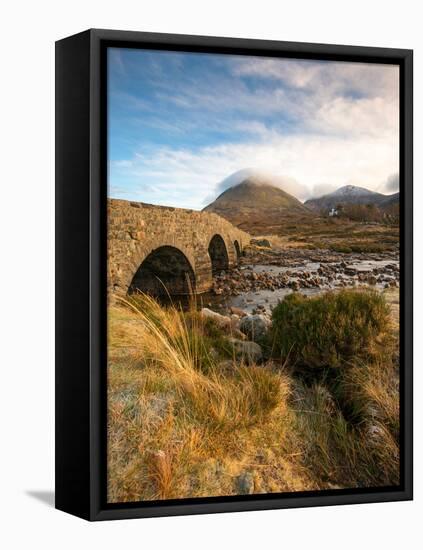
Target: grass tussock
(344, 345)
(172, 410)
(187, 419)
(331, 330)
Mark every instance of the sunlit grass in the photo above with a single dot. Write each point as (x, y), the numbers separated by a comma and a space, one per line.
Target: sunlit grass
(186, 419)
(198, 404)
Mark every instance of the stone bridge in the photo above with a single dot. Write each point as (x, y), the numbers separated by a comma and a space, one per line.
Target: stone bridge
(159, 249)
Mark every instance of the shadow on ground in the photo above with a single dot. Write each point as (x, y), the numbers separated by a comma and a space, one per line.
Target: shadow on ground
(46, 497)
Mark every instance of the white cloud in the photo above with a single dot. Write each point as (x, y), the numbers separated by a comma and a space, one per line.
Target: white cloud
(321, 189)
(324, 78)
(342, 119)
(391, 185)
(288, 184)
(189, 177)
(369, 116)
(328, 97)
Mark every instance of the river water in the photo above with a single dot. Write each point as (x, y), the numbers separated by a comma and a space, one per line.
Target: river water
(340, 275)
(267, 299)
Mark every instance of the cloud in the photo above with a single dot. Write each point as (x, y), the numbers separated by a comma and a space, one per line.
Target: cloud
(288, 184)
(308, 96)
(321, 189)
(323, 78)
(391, 185)
(189, 177)
(185, 122)
(116, 61)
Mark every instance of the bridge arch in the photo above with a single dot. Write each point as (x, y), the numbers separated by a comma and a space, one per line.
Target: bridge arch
(136, 230)
(218, 254)
(165, 270)
(237, 250)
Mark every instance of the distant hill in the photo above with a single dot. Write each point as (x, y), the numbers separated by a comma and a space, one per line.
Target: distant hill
(389, 200)
(348, 194)
(257, 205)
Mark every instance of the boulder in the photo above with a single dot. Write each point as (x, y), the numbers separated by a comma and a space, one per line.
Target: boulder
(226, 323)
(255, 326)
(295, 285)
(250, 352)
(245, 483)
(221, 320)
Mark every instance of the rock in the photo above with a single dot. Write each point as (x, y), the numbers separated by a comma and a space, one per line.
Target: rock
(221, 320)
(261, 242)
(254, 326)
(295, 285)
(236, 333)
(237, 311)
(374, 433)
(248, 351)
(136, 235)
(245, 483)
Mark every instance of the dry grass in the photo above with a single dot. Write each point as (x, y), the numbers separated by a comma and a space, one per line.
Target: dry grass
(345, 344)
(179, 425)
(185, 419)
(339, 235)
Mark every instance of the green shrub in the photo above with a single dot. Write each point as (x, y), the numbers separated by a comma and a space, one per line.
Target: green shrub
(344, 249)
(331, 330)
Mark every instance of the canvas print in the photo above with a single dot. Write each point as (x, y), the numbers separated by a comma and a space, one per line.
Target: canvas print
(253, 275)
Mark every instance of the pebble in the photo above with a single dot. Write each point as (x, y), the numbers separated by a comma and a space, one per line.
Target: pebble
(332, 270)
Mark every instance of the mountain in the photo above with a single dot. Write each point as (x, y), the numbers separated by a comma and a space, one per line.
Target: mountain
(257, 205)
(389, 200)
(348, 194)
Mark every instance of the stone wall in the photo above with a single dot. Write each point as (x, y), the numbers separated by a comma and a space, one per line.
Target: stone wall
(137, 229)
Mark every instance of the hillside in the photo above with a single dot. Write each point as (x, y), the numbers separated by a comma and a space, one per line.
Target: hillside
(348, 194)
(389, 201)
(258, 206)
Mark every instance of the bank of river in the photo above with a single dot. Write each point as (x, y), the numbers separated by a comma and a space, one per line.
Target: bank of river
(262, 279)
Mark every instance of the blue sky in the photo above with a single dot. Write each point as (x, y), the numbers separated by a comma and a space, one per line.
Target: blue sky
(181, 123)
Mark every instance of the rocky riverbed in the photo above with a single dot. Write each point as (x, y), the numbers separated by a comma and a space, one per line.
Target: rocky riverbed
(265, 276)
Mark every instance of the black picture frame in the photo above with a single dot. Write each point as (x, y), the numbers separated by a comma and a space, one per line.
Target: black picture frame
(81, 256)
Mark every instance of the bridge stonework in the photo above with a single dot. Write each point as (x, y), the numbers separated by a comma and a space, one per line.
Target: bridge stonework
(135, 230)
